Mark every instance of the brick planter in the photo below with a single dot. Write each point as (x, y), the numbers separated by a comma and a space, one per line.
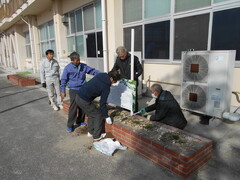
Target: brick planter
(21, 80)
(183, 163)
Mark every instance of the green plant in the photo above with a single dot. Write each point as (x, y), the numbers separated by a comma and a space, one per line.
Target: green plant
(148, 126)
(124, 119)
(136, 122)
(26, 72)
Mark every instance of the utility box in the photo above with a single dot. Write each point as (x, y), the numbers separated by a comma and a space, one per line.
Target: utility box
(206, 84)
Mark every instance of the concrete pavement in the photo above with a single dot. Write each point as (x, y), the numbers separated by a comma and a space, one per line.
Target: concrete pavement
(34, 144)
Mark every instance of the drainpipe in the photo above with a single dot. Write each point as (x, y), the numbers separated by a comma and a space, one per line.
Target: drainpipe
(132, 54)
(31, 43)
(104, 32)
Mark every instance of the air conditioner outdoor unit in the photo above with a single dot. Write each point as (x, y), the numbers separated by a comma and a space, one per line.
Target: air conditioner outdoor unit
(207, 81)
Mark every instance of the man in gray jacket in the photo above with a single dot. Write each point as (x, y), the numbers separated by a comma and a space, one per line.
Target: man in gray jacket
(50, 79)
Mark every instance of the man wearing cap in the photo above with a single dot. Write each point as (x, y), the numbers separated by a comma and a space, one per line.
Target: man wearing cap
(74, 75)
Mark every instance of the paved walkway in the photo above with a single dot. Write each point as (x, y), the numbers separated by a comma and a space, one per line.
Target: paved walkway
(34, 144)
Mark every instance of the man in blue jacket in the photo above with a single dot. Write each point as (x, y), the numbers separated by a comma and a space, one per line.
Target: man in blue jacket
(99, 85)
(74, 75)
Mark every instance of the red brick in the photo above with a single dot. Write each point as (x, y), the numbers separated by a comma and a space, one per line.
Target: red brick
(126, 131)
(157, 145)
(146, 140)
(177, 171)
(171, 152)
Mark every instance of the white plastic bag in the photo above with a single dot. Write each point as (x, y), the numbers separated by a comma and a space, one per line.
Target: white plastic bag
(108, 146)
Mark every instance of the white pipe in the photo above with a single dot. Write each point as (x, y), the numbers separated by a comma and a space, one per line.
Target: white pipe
(132, 53)
(31, 43)
(104, 34)
(231, 116)
(132, 59)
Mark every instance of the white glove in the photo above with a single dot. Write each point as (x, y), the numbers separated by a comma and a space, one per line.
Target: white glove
(108, 120)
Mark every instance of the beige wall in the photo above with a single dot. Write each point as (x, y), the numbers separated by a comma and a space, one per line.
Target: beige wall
(114, 29)
(44, 17)
(172, 74)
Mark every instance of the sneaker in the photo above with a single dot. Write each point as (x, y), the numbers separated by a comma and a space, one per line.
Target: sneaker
(60, 106)
(55, 108)
(89, 135)
(69, 130)
(101, 137)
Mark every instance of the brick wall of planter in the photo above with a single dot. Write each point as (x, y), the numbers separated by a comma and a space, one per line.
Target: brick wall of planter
(183, 164)
(21, 80)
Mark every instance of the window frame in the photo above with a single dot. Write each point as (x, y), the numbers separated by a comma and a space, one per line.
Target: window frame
(48, 40)
(172, 16)
(84, 32)
(28, 45)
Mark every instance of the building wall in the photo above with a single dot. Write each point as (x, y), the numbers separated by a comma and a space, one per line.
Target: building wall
(162, 71)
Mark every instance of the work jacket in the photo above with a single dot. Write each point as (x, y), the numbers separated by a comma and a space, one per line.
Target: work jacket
(49, 70)
(167, 111)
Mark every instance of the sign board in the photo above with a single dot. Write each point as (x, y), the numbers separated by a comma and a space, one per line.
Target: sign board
(123, 94)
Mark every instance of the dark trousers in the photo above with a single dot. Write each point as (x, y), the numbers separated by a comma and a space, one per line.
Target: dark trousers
(73, 116)
(95, 119)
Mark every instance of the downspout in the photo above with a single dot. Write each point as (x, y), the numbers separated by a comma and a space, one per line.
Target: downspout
(104, 32)
(31, 43)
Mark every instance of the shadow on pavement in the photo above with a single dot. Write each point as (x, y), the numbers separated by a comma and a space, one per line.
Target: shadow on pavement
(23, 104)
(19, 92)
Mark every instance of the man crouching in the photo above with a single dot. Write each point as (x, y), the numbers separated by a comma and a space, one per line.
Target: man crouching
(99, 85)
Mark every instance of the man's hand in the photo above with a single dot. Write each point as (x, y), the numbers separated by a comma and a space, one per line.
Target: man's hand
(44, 85)
(63, 95)
(108, 120)
(143, 111)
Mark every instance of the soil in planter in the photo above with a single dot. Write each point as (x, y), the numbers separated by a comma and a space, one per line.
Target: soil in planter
(154, 131)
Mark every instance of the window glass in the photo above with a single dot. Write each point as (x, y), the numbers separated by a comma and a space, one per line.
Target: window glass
(226, 31)
(27, 38)
(138, 38)
(53, 47)
(43, 32)
(71, 44)
(99, 44)
(72, 22)
(79, 20)
(44, 47)
(156, 8)
(80, 45)
(28, 51)
(88, 15)
(98, 14)
(91, 45)
(191, 33)
(132, 10)
(157, 37)
(184, 5)
(51, 30)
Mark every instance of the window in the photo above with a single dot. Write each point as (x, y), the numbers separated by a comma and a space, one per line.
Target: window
(157, 37)
(94, 45)
(132, 10)
(156, 8)
(138, 38)
(47, 39)
(88, 14)
(98, 14)
(191, 33)
(82, 25)
(184, 5)
(28, 45)
(226, 31)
